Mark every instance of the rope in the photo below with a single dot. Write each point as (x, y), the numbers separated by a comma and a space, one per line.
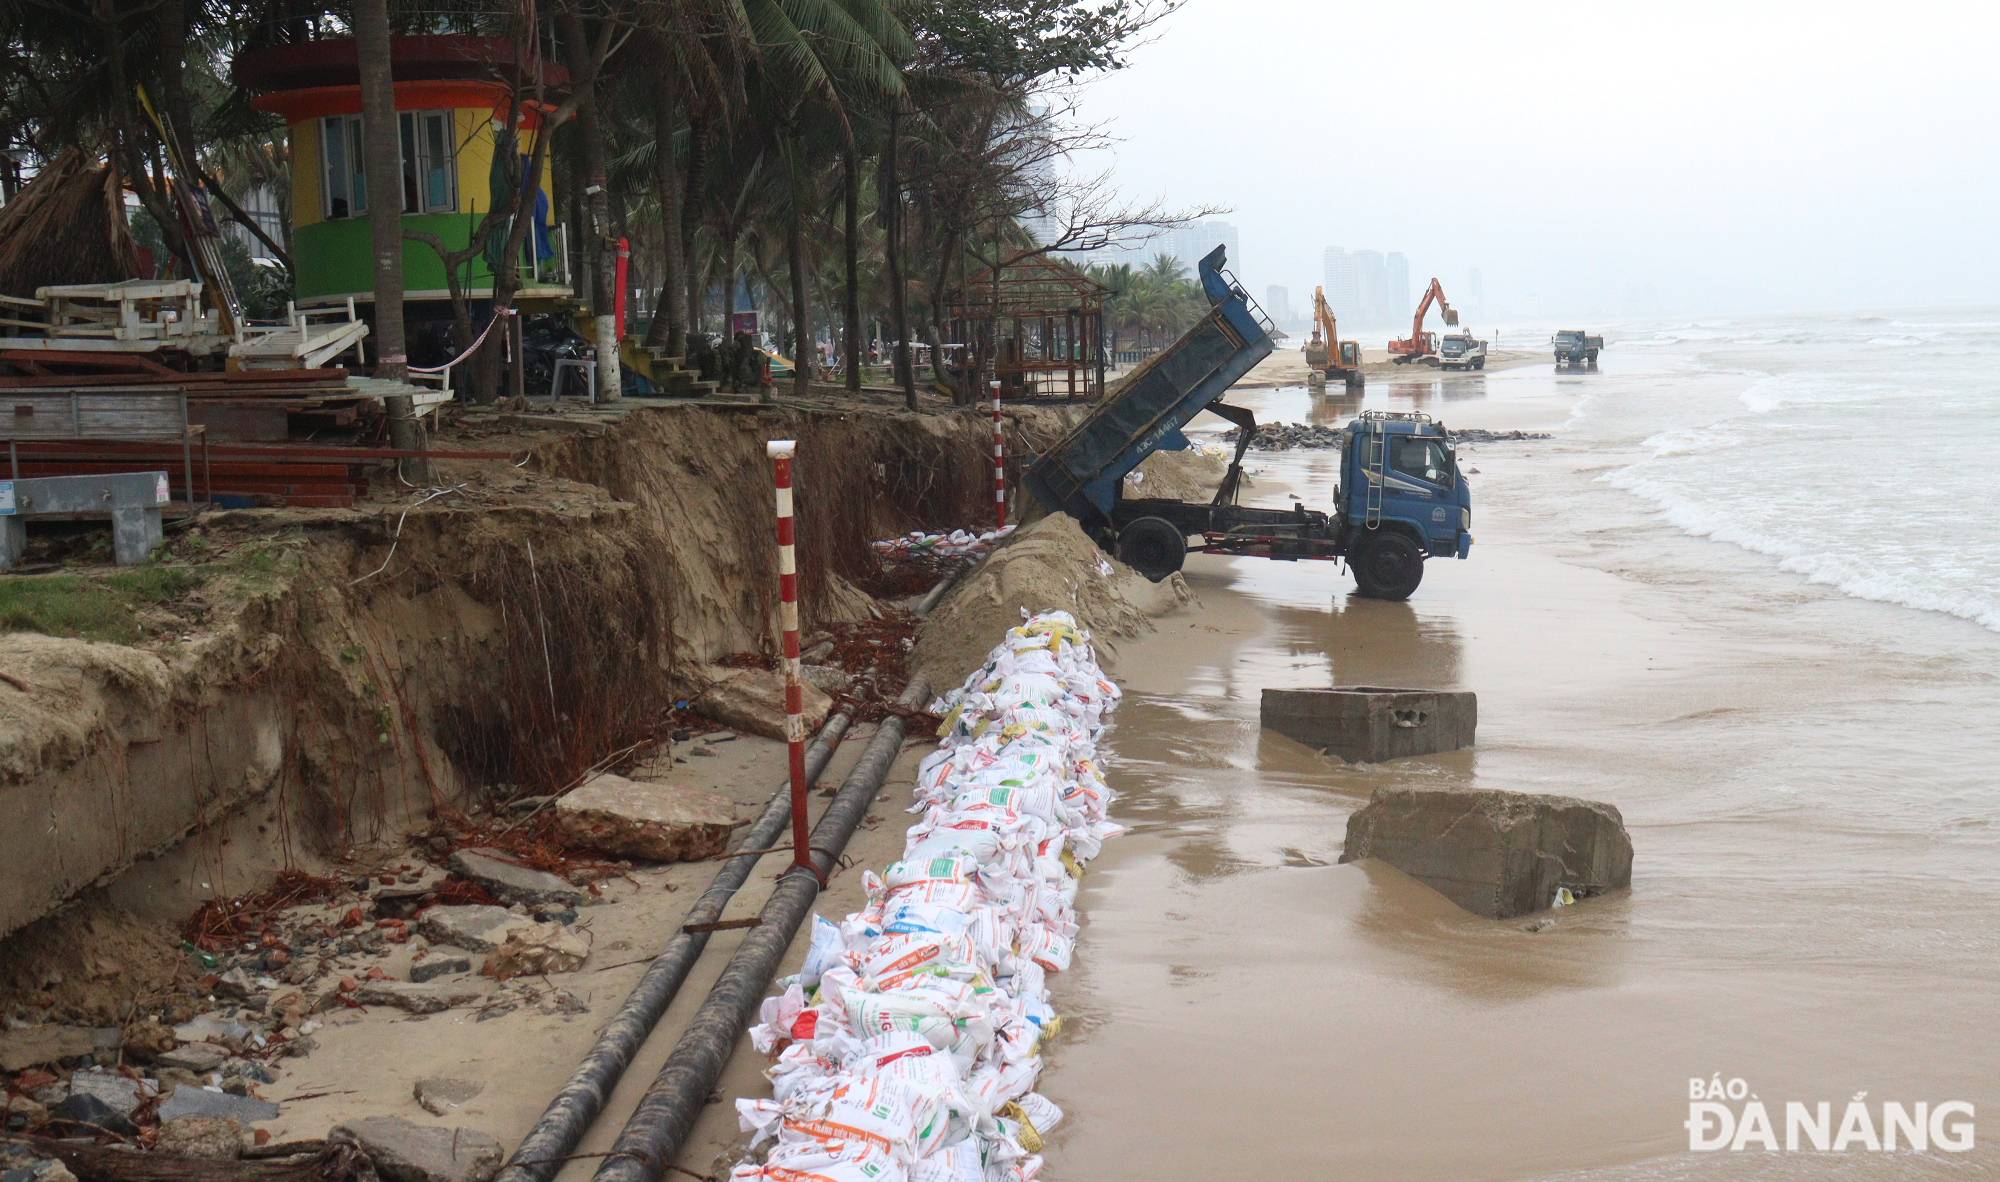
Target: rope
(469, 349)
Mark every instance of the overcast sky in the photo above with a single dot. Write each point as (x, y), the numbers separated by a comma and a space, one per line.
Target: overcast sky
(1739, 156)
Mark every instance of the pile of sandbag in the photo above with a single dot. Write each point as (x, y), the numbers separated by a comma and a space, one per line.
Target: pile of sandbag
(908, 1046)
(956, 544)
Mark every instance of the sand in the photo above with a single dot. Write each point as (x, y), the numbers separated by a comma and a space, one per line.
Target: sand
(1048, 565)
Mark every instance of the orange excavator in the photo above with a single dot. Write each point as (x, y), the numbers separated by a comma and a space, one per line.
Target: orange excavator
(1327, 356)
(1423, 344)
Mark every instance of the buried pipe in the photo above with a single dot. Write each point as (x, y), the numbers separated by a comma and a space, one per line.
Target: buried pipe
(935, 595)
(569, 1115)
(670, 1107)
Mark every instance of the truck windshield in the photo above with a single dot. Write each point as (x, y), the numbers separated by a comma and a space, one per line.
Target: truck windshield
(1568, 338)
(1421, 459)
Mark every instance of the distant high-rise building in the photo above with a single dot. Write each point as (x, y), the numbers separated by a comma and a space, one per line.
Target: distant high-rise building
(1371, 284)
(1399, 286)
(1340, 290)
(1190, 244)
(1476, 292)
(1278, 303)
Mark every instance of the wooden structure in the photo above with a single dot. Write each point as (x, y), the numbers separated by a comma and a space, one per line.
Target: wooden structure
(1038, 321)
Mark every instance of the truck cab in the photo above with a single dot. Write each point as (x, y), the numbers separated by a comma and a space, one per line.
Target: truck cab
(1461, 351)
(1576, 349)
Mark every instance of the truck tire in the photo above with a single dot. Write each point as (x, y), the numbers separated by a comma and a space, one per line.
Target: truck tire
(1479, 364)
(1386, 565)
(1153, 546)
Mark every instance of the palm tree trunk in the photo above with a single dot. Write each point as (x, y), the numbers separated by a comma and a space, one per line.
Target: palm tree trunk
(604, 250)
(850, 196)
(802, 342)
(697, 171)
(891, 202)
(382, 152)
(669, 327)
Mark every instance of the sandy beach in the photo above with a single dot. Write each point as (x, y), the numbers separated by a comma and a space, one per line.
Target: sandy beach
(1813, 880)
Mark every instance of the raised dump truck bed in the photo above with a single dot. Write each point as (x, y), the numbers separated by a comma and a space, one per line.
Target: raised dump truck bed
(1081, 475)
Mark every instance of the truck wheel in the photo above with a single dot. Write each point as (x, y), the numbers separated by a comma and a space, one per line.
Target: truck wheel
(1153, 546)
(1386, 566)
(1479, 364)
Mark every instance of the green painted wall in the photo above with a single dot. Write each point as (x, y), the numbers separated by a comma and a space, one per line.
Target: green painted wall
(334, 258)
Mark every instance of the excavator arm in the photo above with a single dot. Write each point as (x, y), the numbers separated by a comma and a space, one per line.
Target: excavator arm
(1417, 346)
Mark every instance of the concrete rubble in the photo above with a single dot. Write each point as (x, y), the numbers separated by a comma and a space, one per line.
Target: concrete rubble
(429, 997)
(214, 1138)
(440, 1096)
(552, 948)
(18, 1163)
(35, 1045)
(1494, 853)
(475, 927)
(753, 701)
(406, 1152)
(1315, 436)
(511, 882)
(193, 1101)
(652, 822)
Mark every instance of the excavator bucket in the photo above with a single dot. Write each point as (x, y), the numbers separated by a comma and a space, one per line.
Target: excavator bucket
(1451, 317)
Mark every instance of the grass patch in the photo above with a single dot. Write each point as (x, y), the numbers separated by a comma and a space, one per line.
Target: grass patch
(90, 608)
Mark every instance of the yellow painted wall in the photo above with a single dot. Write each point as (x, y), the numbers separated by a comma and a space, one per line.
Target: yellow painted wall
(473, 129)
(305, 173)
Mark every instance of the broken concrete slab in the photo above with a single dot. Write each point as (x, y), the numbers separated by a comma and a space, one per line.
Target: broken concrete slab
(440, 1096)
(753, 701)
(198, 1057)
(510, 882)
(653, 822)
(210, 1137)
(475, 927)
(1368, 723)
(1494, 853)
(433, 967)
(193, 1101)
(429, 997)
(406, 1152)
(32, 1046)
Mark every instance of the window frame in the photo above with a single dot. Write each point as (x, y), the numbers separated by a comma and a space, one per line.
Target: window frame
(435, 149)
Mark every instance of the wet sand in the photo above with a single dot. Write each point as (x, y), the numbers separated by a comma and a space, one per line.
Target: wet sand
(1808, 783)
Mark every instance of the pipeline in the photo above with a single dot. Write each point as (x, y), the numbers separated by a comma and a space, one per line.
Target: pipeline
(562, 1125)
(668, 1111)
(935, 595)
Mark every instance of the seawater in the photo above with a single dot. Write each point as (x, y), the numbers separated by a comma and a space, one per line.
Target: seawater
(1860, 451)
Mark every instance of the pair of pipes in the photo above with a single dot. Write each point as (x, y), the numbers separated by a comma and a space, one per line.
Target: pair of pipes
(667, 1112)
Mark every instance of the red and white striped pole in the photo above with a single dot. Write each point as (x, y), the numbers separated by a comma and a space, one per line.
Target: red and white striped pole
(780, 451)
(999, 465)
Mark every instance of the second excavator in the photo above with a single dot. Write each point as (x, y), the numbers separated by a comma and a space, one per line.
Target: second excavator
(1327, 356)
(1423, 345)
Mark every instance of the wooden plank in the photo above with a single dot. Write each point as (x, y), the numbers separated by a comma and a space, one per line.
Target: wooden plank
(242, 423)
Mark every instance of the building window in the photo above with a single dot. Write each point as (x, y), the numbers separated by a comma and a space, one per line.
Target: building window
(429, 177)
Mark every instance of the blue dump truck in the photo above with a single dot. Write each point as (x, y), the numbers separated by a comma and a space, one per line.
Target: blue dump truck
(1401, 498)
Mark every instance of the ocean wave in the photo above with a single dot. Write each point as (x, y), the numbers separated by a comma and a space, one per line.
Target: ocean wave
(1926, 585)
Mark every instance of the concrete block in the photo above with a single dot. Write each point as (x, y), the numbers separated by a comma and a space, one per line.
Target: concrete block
(1497, 854)
(1368, 723)
(655, 822)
